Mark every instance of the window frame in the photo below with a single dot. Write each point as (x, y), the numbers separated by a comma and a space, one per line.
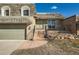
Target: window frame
(51, 23)
(25, 8)
(3, 9)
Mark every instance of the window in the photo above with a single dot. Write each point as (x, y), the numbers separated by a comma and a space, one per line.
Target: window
(5, 11)
(25, 11)
(51, 24)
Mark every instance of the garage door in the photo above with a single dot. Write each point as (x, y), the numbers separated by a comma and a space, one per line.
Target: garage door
(12, 34)
(12, 31)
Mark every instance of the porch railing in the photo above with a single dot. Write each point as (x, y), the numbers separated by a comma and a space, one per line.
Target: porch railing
(15, 19)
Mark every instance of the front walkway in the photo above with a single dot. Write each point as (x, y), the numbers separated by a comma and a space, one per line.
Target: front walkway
(39, 35)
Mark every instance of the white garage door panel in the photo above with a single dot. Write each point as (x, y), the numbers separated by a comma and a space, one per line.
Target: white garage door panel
(14, 34)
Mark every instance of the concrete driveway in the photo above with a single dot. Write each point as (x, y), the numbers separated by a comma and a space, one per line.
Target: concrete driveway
(8, 46)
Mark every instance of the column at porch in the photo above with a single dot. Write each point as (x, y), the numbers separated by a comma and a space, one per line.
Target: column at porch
(25, 32)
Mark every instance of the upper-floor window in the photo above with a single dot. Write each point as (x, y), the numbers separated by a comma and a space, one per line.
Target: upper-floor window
(25, 11)
(5, 11)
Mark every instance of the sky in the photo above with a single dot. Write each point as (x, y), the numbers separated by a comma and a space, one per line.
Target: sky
(65, 9)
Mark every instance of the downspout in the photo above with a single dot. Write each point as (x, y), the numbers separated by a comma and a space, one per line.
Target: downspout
(25, 32)
(76, 24)
(76, 28)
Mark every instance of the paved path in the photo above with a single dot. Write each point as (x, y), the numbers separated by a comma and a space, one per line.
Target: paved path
(31, 44)
(39, 35)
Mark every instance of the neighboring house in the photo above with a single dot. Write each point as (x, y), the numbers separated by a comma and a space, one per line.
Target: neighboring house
(16, 21)
(51, 21)
(58, 22)
(71, 24)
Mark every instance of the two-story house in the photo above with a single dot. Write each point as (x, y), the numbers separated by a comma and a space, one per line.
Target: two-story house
(16, 21)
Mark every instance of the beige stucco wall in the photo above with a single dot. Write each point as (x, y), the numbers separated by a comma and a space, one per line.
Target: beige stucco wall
(30, 29)
(41, 23)
(58, 24)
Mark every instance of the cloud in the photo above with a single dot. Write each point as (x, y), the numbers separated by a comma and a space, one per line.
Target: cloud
(54, 7)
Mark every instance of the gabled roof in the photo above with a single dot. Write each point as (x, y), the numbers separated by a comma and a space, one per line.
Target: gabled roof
(76, 17)
(47, 16)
